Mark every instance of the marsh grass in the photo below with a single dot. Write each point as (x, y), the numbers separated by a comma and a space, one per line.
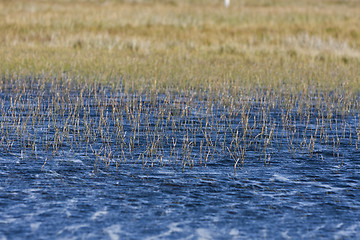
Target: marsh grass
(185, 44)
(110, 126)
(179, 83)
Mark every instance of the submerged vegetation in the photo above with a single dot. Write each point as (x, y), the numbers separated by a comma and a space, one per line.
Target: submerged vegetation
(179, 83)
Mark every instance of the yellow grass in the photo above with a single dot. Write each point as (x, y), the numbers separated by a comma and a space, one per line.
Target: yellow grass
(158, 44)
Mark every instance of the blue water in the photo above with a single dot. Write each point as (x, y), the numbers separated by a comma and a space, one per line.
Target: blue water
(293, 195)
(291, 198)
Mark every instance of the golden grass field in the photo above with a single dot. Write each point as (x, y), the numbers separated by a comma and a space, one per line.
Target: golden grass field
(167, 44)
